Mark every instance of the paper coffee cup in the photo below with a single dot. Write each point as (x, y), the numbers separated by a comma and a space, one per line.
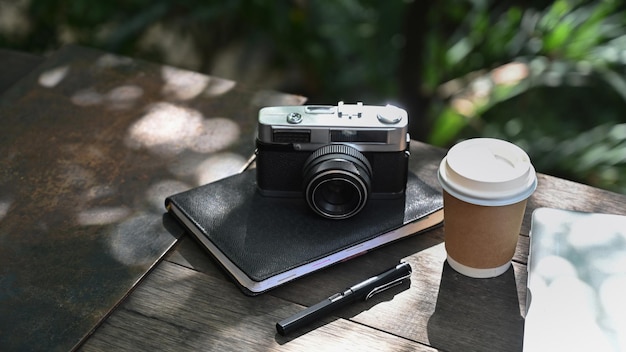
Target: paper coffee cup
(486, 183)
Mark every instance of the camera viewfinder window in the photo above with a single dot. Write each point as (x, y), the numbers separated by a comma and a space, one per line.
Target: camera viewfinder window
(291, 136)
(358, 136)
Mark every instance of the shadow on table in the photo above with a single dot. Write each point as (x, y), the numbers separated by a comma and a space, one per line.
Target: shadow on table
(476, 314)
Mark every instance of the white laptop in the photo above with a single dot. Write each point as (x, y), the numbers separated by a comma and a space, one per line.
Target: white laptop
(576, 282)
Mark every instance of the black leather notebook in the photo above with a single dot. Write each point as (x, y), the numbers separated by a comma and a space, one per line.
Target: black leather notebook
(263, 242)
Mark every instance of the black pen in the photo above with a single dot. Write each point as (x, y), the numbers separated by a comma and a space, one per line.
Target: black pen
(363, 290)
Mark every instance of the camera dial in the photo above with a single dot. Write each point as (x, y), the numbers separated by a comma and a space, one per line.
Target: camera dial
(337, 181)
(391, 116)
(294, 118)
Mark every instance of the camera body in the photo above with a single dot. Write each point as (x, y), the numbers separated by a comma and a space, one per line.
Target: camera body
(336, 157)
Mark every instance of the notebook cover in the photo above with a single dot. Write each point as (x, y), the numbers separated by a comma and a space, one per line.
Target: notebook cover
(576, 282)
(266, 236)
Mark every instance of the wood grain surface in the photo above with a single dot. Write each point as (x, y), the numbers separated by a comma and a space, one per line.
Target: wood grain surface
(14, 65)
(90, 145)
(441, 309)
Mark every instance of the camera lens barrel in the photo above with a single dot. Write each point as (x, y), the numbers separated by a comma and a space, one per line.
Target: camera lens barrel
(337, 181)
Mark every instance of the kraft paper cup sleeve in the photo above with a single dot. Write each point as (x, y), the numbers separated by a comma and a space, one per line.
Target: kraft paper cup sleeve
(486, 185)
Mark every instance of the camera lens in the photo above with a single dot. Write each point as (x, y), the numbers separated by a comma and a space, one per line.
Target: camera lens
(337, 181)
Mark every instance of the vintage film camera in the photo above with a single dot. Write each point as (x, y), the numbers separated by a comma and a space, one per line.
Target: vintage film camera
(337, 157)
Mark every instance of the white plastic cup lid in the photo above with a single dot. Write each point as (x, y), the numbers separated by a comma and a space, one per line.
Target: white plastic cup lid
(487, 171)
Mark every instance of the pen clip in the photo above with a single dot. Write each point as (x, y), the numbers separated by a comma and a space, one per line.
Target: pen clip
(386, 286)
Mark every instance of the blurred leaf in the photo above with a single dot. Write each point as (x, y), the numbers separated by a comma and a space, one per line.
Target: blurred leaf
(448, 124)
(459, 51)
(557, 37)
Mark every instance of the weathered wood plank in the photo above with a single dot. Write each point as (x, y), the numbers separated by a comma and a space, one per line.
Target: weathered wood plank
(179, 309)
(434, 289)
(90, 145)
(14, 65)
(409, 312)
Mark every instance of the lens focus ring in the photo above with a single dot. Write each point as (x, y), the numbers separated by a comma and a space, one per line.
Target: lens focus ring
(338, 149)
(337, 181)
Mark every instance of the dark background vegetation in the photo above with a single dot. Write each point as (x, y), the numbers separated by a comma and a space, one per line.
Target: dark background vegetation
(549, 76)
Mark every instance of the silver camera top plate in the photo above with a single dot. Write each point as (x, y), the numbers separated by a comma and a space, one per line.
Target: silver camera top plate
(365, 127)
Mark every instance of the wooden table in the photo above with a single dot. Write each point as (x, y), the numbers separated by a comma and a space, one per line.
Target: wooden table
(186, 303)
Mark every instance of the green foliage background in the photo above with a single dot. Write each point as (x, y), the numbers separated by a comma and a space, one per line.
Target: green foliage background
(547, 75)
